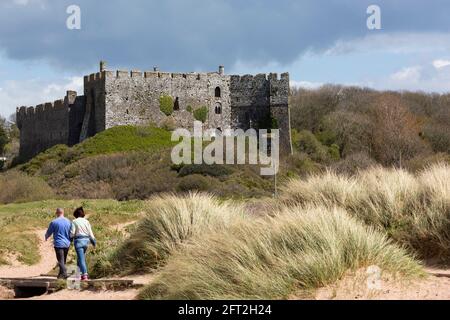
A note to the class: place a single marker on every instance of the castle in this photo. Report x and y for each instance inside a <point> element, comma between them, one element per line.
<point>114,98</point>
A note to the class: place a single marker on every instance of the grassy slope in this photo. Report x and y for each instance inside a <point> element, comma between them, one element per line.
<point>131,162</point>
<point>114,140</point>
<point>18,219</point>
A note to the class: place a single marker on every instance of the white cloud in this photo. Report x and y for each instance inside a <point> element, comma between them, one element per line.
<point>32,92</point>
<point>438,64</point>
<point>396,42</point>
<point>305,84</point>
<point>425,77</point>
<point>410,74</point>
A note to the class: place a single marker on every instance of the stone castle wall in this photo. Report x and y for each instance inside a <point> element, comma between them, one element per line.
<point>122,98</point>
<point>257,99</point>
<point>42,127</point>
<point>114,98</point>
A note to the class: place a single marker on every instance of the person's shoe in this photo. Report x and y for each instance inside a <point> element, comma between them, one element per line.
<point>84,277</point>
<point>63,277</point>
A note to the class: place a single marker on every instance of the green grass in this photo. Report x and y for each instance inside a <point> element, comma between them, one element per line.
<point>18,220</point>
<point>115,140</point>
<point>127,138</point>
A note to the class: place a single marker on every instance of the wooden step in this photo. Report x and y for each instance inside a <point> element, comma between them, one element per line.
<point>52,284</point>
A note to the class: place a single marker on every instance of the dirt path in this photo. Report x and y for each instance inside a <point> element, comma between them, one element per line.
<point>45,264</point>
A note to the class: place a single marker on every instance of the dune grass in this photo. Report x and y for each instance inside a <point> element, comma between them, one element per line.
<point>412,209</point>
<point>274,257</point>
<point>169,221</point>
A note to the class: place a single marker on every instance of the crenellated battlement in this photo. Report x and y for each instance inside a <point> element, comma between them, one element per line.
<point>261,77</point>
<point>43,108</point>
<point>124,74</point>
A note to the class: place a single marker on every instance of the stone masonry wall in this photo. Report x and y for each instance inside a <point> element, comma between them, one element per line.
<point>254,99</point>
<point>42,127</point>
<point>279,109</point>
<point>124,98</point>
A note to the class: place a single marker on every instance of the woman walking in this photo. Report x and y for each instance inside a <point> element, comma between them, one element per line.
<point>82,235</point>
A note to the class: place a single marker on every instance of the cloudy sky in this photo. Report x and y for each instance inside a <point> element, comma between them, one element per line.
<point>317,41</point>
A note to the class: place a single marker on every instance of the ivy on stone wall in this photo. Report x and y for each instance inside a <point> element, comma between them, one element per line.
<point>166,104</point>
<point>201,114</point>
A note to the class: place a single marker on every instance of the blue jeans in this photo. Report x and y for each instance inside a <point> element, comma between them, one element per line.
<point>81,245</point>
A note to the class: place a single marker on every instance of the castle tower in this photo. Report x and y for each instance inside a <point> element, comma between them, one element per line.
<point>102,66</point>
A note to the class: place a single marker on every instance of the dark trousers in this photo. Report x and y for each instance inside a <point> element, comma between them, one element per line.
<point>61,256</point>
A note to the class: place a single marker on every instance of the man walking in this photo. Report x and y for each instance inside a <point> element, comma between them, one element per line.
<point>60,229</point>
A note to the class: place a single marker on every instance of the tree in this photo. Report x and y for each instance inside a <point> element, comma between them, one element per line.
<point>396,131</point>
<point>4,139</point>
<point>351,131</point>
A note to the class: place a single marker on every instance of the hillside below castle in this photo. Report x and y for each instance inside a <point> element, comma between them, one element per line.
<point>114,98</point>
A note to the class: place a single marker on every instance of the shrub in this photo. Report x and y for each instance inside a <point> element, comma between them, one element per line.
<point>193,183</point>
<point>189,109</point>
<point>169,222</point>
<point>273,257</point>
<point>213,170</point>
<point>18,187</point>
<point>302,164</point>
<point>354,163</point>
<point>201,114</point>
<point>166,104</point>
<point>169,124</point>
<point>305,141</point>
<point>439,136</point>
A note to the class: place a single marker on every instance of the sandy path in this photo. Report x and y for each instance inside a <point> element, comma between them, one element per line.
<point>355,287</point>
<point>123,226</point>
<point>89,295</point>
<point>45,264</point>
<point>130,294</point>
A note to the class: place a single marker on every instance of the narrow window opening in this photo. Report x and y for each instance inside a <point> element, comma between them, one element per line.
<point>217,92</point>
<point>176,104</point>
<point>218,109</point>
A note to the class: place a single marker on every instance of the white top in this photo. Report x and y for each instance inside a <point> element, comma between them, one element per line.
<point>81,227</point>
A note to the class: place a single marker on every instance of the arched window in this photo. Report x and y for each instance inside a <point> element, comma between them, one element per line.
<point>217,93</point>
<point>176,105</point>
<point>218,108</point>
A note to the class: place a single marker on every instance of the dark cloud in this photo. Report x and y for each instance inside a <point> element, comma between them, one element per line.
<point>198,34</point>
